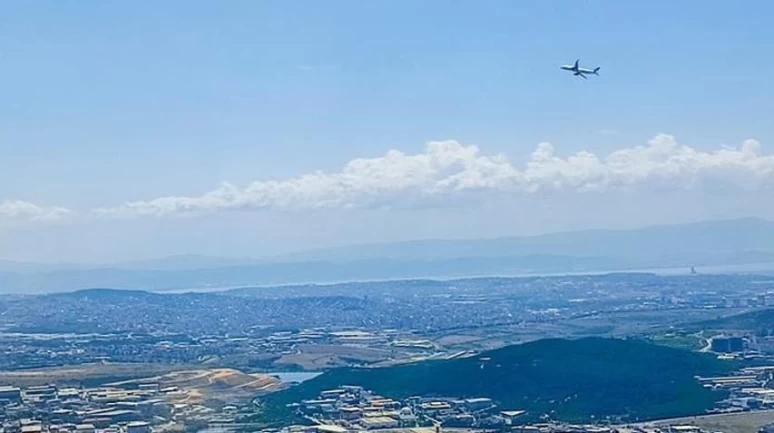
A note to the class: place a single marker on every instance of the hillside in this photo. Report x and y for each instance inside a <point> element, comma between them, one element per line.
<point>223,385</point>
<point>573,380</point>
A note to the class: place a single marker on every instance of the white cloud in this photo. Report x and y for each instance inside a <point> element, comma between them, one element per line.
<point>16,210</point>
<point>448,171</point>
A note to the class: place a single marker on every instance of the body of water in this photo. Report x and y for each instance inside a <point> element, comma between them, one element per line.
<point>295,376</point>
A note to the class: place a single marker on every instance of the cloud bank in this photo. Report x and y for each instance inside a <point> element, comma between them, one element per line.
<point>448,170</point>
<point>17,210</point>
<point>451,172</point>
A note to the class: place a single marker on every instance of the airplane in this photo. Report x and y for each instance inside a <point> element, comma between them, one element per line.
<point>580,72</point>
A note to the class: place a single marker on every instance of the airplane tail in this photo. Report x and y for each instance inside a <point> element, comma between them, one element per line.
<point>596,70</point>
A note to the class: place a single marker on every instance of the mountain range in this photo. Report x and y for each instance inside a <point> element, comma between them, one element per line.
<point>712,243</point>
<point>647,244</point>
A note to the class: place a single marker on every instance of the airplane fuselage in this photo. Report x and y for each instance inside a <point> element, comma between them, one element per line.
<point>578,71</point>
<point>574,69</point>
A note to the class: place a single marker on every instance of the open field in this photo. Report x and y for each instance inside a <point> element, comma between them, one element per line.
<point>85,374</point>
<point>322,356</point>
<point>195,385</point>
<point>201,386</point>
<point>744,422</point>
<point>607,324</point>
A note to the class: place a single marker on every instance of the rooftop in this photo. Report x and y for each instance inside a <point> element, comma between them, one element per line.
<point>331,428</point>
<point>513,413</point>
<point>377,420</point>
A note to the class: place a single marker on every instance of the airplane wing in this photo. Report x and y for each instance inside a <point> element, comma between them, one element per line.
<point>582,76</point>
<point>576,64</point>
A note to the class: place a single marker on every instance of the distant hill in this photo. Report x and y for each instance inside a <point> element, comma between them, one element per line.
<point>746,236</point>
<point>294,273</point>
<point>760,321</point>
<point>108,295</point>
<point>732,242</point>
<point>573,380</point>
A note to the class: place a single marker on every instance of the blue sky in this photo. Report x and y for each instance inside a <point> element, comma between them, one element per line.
<point>108,103</point>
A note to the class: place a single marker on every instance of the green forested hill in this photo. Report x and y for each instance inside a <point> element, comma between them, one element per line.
<point>573,380</point>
